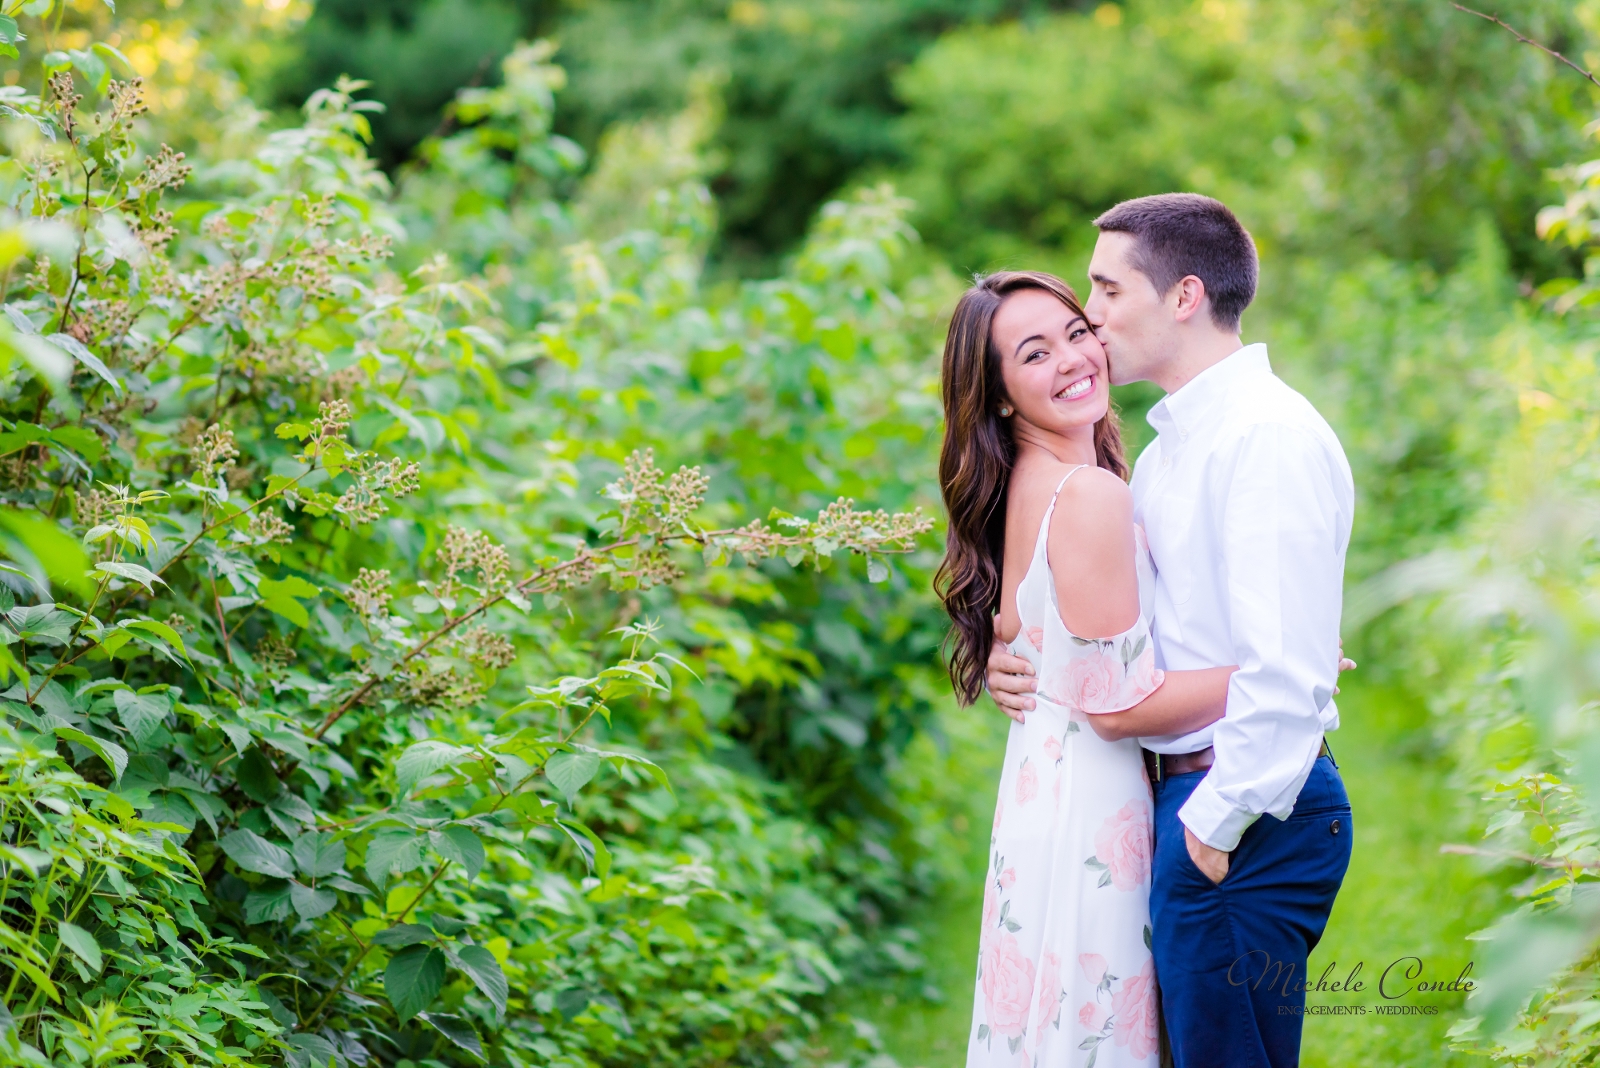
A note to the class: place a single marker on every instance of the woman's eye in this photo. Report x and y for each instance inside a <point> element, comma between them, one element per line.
<point>1076,334</point>
<point>1038,355</point>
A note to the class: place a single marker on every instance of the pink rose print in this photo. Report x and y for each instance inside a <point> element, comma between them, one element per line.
<point>1008,878</point>
<point>1007,987</point>
<point>1052,747</point>
<point>1027,783</point>
<point>1122,844</point>
<point>1049,994</point>
<point>1094,967</point>
<point>999,812</point>
<point>991,913</point>
<point>1135,1009</point>
<point>1036,638</point>
<point>1144,674</point>
<point>1089,681</point>
<point>1092,1015</point>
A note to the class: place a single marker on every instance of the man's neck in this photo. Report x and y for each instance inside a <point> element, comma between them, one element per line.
<point>1199,352</point>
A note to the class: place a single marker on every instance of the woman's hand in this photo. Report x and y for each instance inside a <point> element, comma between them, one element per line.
<point>1011,682</point>
<point>1345,664</point>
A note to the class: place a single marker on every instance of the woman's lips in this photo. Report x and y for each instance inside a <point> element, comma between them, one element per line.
<point>1082,387</point>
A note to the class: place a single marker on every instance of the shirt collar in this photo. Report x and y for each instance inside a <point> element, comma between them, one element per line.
<point>1179,413</point>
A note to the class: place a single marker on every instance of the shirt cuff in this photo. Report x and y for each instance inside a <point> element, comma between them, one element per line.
<point>1213,820</point>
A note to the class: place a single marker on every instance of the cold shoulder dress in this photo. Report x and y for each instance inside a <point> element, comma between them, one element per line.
<point>1064,969</point>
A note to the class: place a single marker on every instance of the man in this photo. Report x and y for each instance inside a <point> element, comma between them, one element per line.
<point>1246,499</point>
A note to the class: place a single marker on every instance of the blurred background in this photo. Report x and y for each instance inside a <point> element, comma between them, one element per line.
<point>1416,181</point>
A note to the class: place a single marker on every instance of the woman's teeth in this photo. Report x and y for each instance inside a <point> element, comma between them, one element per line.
<point>1077,389</point>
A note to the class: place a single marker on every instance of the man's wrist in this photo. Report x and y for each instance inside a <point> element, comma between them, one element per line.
<point>1212,820</point>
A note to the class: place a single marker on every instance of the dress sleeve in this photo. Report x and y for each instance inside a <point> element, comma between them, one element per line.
<point>1102,674</point>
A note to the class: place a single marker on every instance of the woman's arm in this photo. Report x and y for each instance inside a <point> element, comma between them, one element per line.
<point>1185,701</point>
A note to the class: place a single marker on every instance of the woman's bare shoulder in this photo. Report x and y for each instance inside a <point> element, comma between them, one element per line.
<point>1095,493</point>
<point>1034,482</point>
<point>1094,514</point>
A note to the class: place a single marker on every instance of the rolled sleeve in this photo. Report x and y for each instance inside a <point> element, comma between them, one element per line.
<point>1284,528</point>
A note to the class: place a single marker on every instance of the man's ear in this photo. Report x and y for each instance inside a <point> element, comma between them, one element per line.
<point>1191,294</point>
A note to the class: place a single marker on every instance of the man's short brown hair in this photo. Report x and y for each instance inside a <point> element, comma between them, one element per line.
<point>1179,234</point>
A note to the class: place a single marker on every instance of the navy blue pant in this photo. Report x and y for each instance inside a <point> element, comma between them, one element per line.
<point>1231,956</point>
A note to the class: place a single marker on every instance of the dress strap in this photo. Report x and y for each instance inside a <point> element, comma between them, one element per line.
<point>1044,525</point>
<point>1063,481</point>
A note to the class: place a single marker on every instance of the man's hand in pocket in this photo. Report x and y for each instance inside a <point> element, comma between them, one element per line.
<point>1213,863</point>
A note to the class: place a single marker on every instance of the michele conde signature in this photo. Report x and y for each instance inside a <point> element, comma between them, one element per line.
<point>1401,976</point>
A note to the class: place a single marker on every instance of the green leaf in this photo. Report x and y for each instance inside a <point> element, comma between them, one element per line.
<point>82,944</point>
<point>877,569</point>
<point>256,776</point>
<point>315,1051</point>
<point>9,33</point>
<point>405,934</point>
<point>594,851</point>
<point>460,845</point>
<point>114,755</point>
<point>269,904</point>
<point>278,596</point>
<point>570,772</point>
<point>141,713</point>
<point>160,630</point>
<point>254,853</point>
<point>318,853</point>
<point>80,352</point>
<point>425,758</point>
<point>85,443</point>
<point>457,1029</point>
<point>297,431</point>
<point>311,903</point>
<point>55,553</point>
<point>413,979</point>
<point>484,969</point>
<point>395,852</point>
<point>142,575</point>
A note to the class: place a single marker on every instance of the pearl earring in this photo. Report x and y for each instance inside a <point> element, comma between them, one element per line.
<point>1005,411</point>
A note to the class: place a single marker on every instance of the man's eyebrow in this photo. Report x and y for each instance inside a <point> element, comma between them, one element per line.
<point>1105,280</point>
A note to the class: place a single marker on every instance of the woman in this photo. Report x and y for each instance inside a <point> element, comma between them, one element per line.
<point>1043,553</point>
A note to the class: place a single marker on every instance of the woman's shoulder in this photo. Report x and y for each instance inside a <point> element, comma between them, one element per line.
<point>1094,512</point>
<point>1094,489</point>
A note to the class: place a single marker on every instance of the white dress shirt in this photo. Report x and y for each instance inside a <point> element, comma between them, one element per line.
<point>1246,500</point>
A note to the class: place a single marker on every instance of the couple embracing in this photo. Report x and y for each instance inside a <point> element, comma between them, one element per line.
<point>1171,829</point>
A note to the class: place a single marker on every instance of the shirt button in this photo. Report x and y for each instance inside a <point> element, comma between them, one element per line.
<point>1334,827</point>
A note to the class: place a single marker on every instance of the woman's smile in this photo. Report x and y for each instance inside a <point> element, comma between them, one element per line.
<point>1081,388</point>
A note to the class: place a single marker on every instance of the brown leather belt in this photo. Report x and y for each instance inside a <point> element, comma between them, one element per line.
<point>1161,765</point>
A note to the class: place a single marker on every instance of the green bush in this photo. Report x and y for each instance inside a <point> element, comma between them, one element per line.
<point>289,533</point>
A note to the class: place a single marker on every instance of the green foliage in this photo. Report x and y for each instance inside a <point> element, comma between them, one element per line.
<point>291,533</point>
<point>413,56</point>
<point>1503,620</point>
<point>1319,123</point>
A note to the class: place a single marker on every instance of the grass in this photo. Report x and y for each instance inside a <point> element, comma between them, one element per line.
<point>1401,898</point>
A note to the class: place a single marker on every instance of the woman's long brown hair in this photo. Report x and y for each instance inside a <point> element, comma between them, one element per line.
<point>975,469</point>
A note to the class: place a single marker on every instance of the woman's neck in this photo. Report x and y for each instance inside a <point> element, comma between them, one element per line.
<point>1075,446</point>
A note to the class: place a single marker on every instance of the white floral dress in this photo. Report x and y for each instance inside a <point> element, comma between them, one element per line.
<point>1064,969</point>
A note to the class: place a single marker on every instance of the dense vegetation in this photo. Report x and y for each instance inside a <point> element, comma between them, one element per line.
<point>394,673</point>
